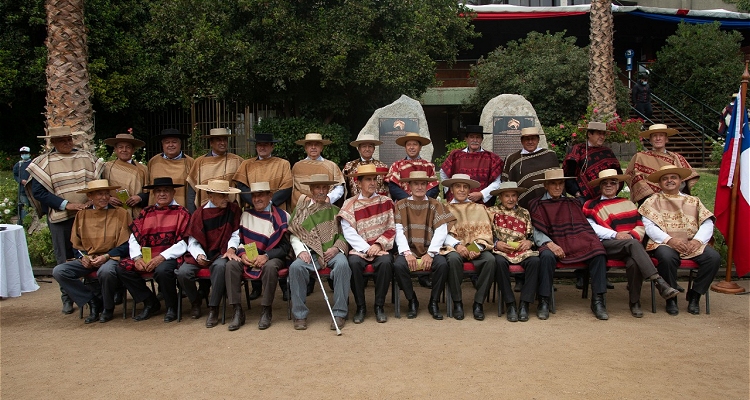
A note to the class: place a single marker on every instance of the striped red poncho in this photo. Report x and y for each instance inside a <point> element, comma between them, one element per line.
<point>212,228</point>
<point>372,218</point>
<point>618,214</point>
<point>159,228</point>
<point>482,166</point>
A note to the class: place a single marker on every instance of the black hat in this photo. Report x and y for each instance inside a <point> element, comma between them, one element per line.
<point>163,181</point>
<point>475,129</point>
<point>263,138</point>
<point>171,132</point>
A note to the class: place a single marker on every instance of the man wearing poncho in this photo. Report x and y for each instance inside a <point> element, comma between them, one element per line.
<point>313,224</point>
<point>400,170</point>
<point>365,145</point>
<point>586,160</point>
<point>172,162</point>
<point>315,164</point>
<point>217,164</point>
<point>471,228</point>
<point>126,172</point>
<point>529,164</point>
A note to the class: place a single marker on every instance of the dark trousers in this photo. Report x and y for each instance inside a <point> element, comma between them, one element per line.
<point>383,266</point>
<point>708,265</point>
<point>531,270</point>
<point>135,284</point>
<point>269,278</point>
<point>186,278</point>
<point>166,278</point>
<point>485,267</point>
<point>638,264</point>
<point>438,273</point>
<point>69,275</point>
<point>547,265</point>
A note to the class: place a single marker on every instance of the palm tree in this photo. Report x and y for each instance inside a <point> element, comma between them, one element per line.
<point>601,61</point>
<point>68,91</point>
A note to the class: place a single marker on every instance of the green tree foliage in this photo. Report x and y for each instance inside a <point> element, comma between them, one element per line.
<point>22,53</point>
<point>704,61</point>
<point>289,130</point>
<point>742,5</point>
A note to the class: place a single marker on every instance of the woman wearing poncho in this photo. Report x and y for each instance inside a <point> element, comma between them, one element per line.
<point>586,160</point>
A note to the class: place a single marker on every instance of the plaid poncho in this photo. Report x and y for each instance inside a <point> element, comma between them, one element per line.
<point>585,162</point>
<point>402,168</point>
<point>482,166</point>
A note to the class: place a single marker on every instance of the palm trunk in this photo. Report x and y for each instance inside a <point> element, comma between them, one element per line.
<point>601,60</point>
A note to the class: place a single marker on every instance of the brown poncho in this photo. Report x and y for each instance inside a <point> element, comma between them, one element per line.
<point>420,218</point>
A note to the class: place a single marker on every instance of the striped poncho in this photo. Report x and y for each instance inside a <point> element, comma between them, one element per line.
<point>268,230</point>
<point>419,219</point>
<point>212,228</point>
<point>482,166</point>
<point>372,218</point>
<point>617,214</point>
<point>585,162</point>
<point>402,168</point>
<point>159,228</point>
<point>316,226</point>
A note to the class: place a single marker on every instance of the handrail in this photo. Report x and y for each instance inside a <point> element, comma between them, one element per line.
<point>681,91</point>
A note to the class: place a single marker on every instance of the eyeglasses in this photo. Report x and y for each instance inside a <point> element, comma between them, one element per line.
<point>610,183</point>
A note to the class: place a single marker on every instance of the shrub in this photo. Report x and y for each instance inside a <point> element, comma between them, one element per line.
<point>40,246</point>
<point>7,161</point>
<point>8,198</point>
<point>453,145</point>
<point>289,130</point>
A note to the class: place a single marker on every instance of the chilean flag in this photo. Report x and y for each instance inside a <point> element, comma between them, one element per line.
<point>737,141</point>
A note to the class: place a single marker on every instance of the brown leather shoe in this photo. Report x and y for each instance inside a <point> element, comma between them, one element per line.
<point>339,321</point>
<point>238,319</point>
<point>265,318</point>
<point>300,324</point>
<point>213,317</point>
<point>195,311</point>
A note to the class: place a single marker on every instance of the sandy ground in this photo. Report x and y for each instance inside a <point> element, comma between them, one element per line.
<point>46,355</point>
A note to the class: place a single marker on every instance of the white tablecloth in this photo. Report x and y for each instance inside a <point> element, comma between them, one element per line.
<point>16,276</point>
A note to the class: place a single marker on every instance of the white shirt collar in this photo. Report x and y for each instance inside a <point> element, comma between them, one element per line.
<point>523,151</point>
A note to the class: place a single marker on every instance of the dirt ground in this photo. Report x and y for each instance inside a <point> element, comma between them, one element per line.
<point>46,355</point>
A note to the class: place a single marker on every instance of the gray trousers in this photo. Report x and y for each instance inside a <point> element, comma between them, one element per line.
<point>69,275</point>
<point>61,245</point>
<point>485,266</point>
<point>638,264</point>
<point>299,276</point>
<point>186,278</point>
<point>269,276</point>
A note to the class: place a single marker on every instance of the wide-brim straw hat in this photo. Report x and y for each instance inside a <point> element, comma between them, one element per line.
<point>124,137</point>
<point>461,178</point>
<point>164,181</point>
<point>256,187</point>
<point>59,131</point>
<point>319,179</point>
<point>597,126</point>
<point>218,132</point>
<point>263,138</point>
<point>412,136</point>
<point>218,186</point>
<point>368,170</point>
<point>669,169</point>
<point>96,185</point>
<point>531,131</point>
<point>554,174</point>
<point>655,128</point>
<point>313,137</point>
<point>475,129</point>
<point>366,138</point>
<point>509,186</point>
<point>419,176</point>
<point>607,174</point>
<point>171,132</point>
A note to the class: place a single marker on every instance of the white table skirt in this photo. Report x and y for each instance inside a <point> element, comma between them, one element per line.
<point>16,276</point>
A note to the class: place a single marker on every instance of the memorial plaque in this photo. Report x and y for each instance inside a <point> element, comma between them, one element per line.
<point>506,132</point>
<point>391,129</point>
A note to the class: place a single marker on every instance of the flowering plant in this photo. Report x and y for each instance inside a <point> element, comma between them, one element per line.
<point>8,196</point>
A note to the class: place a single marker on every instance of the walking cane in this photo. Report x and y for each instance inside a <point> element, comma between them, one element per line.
<point>322,289</point>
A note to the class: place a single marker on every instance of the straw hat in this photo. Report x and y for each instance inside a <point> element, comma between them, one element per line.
<point>95,185</point>
<point>554,174</point>
<point>475,129</point>
<point>368,170</point>
<point>365,138</point>
<point>171,132</point>
<point>508,187</point>
<point>260,187</point>
<point>461,178</point>
<point>419,176</point>
<point>263,138</point>
<point>313,137</point>
<point>607,174</point>
<point>218,132</point>
<point>533,131</point>
<point>597,126</point>
<point>669,169</point>
<point>319,179</point>
<point>218,186</point>
<point>124,137</point>
<point>58,131</point>
<point>164,181</point>
<point>657,128</point>
<point>412,136</point>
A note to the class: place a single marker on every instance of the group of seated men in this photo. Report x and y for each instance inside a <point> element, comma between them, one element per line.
<point>224,244</point>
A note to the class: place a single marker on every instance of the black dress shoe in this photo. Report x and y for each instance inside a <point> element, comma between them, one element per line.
<point>413,308</point>
<point>380,314</point>
<point>598,307</point>
<point>171,314</point>
<point>478,311</point>
<point>107,315</point>
<point>67,307</point>
<point>518,286</point>
<point>118,297</point>
<point>610,285</point>
<point>542,310</point>
<point>458,310</point>
<point>635,309</point>
<point>254,294</point>
<point>672,306</point>
<point>425,281</point>
<point>680,288</point>
<point>95,305</point>
<point>523,311</point>
<point>511,313</point>
<point>694,303</point>
<point>359,316</point>
<point>579,283</point>
<point>434,310</point>
<point>151,307</point>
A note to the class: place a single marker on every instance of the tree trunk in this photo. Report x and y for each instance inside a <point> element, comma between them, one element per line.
<point>68,92</point>
<point>601,60</point>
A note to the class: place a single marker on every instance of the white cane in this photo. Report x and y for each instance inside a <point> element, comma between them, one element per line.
<point>322,289</point>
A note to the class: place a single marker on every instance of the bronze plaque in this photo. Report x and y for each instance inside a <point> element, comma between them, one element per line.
<point>391,129</point>
<point>506,132</point>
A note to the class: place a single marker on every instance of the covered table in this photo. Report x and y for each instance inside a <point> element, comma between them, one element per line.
<point>16,276</point>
